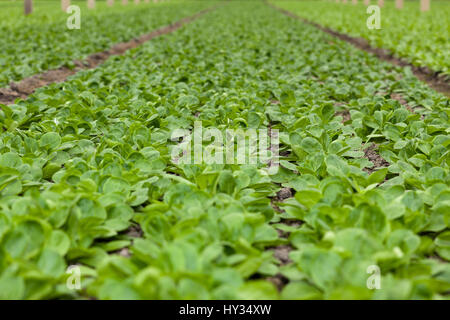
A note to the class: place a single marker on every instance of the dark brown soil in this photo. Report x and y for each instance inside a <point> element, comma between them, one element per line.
<point>345,114</point>
<point>281,252</point>
<point>282,194</point>
<point>288,222</point>
<point>285,153</point>
<point>134,231</point>
<point>124,252</point>
<point>434,79</point>
<point>8,94</point>
<point>27,86</point>
<point>279,281</point>
<point>402,101</point>
<point>372,155</point>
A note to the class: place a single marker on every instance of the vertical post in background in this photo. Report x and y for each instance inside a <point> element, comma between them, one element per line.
<point>136,1</point>
<point>110,3</point>
<point>146,1</point>
<point>64,5</point>
<point>124,2</point>
<point>366,2</point>
<point>424,5</point>
<point>355,1</point>
<point>381,3</point>
<point>344,1</point>
<point>28,6</point>
<point>91,4</point>
<point>399,4</point>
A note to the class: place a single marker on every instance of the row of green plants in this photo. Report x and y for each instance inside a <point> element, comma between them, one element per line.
<point>87,178</point>
<point>42,41</point>
<point>421,38</point>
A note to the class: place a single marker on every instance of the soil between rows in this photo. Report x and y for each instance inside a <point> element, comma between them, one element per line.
<point>433,79</point>
<point>27,86</point>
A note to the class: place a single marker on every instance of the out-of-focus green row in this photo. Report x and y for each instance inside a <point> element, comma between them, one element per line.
<point>42,40</point>
<point>423,38</point>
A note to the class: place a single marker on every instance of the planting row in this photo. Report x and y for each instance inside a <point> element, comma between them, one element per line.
<point>43,41</point>
<point>421,38</point>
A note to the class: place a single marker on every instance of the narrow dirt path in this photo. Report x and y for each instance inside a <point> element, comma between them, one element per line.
<point>422,73</point>
<point>27,86</point>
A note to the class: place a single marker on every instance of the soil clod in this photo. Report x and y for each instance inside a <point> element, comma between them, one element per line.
<point>372,155</point>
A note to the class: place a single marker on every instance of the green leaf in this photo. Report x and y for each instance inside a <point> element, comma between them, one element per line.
<point>308,197</point>
<point>50,140</point>
<point>258,290</point>
<point>300,291</point>
<point>377,176</point>
<point>12,288</point>
<point>51,263</point>
<point>321,265</point>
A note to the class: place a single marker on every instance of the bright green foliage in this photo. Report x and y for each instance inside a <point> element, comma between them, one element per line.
<point>42,41</point>
<point>422,38</point>
<point>83,161</point>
